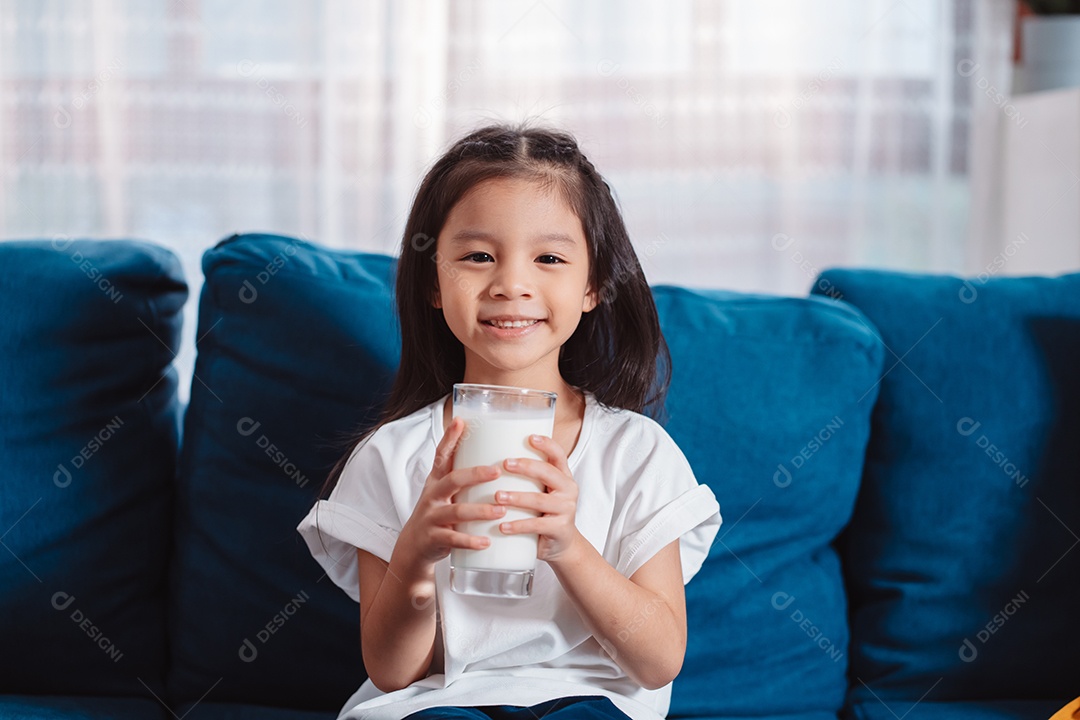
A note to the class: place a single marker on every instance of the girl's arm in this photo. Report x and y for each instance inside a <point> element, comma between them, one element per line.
<point>397,600</point>
<point>397,620</point>
<point>640,621</point>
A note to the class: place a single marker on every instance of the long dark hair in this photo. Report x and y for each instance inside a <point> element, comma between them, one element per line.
<point>615,350</point>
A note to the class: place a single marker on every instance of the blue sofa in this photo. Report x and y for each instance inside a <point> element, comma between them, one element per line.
<point>896,458</point>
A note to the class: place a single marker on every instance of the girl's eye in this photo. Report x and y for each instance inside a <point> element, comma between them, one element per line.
<point>553,257</point>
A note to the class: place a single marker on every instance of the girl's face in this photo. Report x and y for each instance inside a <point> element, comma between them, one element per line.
<point>513,248</point>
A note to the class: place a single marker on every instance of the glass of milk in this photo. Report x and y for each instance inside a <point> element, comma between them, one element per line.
<point>498,422</point>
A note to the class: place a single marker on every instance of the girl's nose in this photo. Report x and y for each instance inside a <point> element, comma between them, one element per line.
<point>511,280</point>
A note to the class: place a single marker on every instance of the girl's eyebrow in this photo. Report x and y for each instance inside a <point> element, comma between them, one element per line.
<point>464,236</point>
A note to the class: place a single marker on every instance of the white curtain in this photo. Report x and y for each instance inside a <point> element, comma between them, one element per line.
<point>751,143</point>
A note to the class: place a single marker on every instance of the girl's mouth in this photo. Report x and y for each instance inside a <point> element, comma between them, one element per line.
<point>510,332</point>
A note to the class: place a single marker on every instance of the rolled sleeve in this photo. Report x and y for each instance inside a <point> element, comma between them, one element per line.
<point>664,502</point>
<point>359,514</point>
<point>333,532</point>
<point>693,519</point>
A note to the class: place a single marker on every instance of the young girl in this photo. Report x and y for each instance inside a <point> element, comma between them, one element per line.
<point>514,223</point>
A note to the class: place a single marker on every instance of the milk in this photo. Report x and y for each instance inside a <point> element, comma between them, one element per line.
<point>489,438</point>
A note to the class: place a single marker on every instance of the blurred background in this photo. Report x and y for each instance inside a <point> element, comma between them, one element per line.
<point>750,143</point>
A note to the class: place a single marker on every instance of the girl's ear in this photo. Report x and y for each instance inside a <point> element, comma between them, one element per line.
<point>591,300</point>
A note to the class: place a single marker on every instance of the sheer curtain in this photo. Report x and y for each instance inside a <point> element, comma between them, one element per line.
<point>751,143</point>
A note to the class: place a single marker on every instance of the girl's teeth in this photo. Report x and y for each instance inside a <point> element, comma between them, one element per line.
<point>516,324</point>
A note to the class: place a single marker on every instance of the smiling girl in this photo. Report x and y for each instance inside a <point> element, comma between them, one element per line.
<point>532,282</point>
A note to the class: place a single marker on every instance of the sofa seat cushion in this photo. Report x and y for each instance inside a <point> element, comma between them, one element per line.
<point>783,716</point>
<point>986,710</point>
<point>296,346</point>
<point>231,711</point>
<point>73,707</point>
<point>770,402</point>
<point>88,437</point>
<point>961,558</point>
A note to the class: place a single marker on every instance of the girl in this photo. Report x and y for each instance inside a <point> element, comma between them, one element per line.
<point>514,223</point>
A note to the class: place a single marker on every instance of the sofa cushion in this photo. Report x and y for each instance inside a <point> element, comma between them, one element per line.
<point>819,715</point>
<point>68,707</point>
<point>232,711</point>
<point>296,346</point>
<point>987,710</point>
<point>770,401</point>
<point>88,435</point>
<point>961,561</point>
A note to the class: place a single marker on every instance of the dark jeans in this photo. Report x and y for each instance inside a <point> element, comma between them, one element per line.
<point>583,707</point>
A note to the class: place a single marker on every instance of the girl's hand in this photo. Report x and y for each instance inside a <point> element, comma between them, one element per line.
<point>557,506</point>
<point>429,534</point>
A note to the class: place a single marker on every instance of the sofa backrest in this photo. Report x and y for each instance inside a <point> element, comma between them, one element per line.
<point>88,436</point>
<point>770,401</point>
<point>295,349</point>
<point>961,559</point>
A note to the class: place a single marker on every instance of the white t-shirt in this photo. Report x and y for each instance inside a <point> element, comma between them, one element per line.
<point>636,494</point>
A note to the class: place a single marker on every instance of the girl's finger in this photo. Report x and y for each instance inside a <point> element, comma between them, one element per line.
<point>519,527</point>
<point>463,512</point>
<point>457,539</point>
<point>553,451</point>
<point>545,472</point>
<point>540,502</point>
<point>444,453</point>
<point>455,481</point>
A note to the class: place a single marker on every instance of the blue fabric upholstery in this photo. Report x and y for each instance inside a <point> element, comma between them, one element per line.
<point>961,568</point>
<point>787,716</point>
<point>229,711</point>
<point>67,707</point>
<point>296,344</point>
<point>989,710</point>
<point>88,436</point>
<point>960,560</point>
<point>770,401</point>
